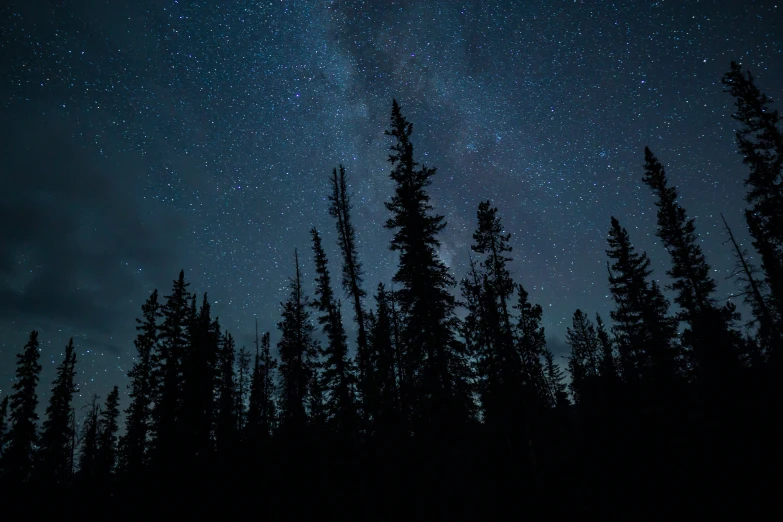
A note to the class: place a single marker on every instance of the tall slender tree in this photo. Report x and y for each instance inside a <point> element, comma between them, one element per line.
<point>584,360</point>
<point>243,387</point>
<point>710,335</point>
<point>760,141</point>
<point>22,437</point>
<point>430,324</point>
<point>297,349</point>
<point>54,451</point>
<point>269,387</point>
<point>108,425</point>
<point>383,363</point>
<point>340,209</point>
<point>135,442</point>
<point>3,425</point>
<point>339,375</point>
<point>88,457</point>
<point>226,419</point>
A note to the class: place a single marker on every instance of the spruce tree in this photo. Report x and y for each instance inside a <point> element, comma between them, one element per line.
<point>607,367</point>
<point>134,444</point>
<point>555,380</point>
<point>339,377</point>
<point>226,421</point>
<point>531,347</point>
<point>383,362</point>
<point>167,372</point>
<point>710,336</point>
<point>54,452</point>
<point>3,426</point>
<point>433,354</point>
<point>243,387</point>
<point>269,388</point>
<point>108,425</point>
<point>583,364</point>
<point>760,141</point>
<point>644,331</point>
<point>297,349</point>
<point>22,437</point>
<point>88,457</point>
<point>340,209</point>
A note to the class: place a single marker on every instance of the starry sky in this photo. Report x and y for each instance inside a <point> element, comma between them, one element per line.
<point>142,137</point>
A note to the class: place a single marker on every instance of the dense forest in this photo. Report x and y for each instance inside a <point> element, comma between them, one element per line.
<point>671,409</point>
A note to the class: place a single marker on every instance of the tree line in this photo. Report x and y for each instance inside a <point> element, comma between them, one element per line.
<point>667,409</point>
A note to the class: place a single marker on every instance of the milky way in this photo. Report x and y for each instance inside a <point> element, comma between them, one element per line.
<point>141,139</point>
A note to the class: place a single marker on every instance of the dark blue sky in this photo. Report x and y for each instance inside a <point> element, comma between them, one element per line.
<point>143,138</point>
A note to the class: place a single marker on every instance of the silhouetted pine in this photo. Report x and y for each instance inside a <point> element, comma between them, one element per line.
<point>54,450</point>
<point>710,336</point>
<point>108,425</point>
<point>760,141</point>
<point>583,363</point>
<point>555,380</point>
<point>339,373</point>
<point>383,363</point>
<point>644,331</point>
<point>608,365</point>
<point>435,361</point>
<point>225,393</point>
<point>531,345</point>
<point>261,411</point>
<point>138,420</point>
<point>88,456</point>
<point>198,377</point>
<point>3,425</point>
<point>297,349</point>
<point>22,438</point>
<point>340,209</point>
<point>243,387</point>
<point>167,373</point>
<point>269,389</point>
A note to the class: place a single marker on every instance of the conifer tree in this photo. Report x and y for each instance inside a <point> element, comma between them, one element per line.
<point>243,387</point>
<point>54,452</point>
<point>383,362</point>
<point>3,426</point>
<point>269,389</point>
<point>760,141</point>
<point>583,362</point>
<point>340,209</point>
<point>607,367</point>
<point>430,324</point>
<point>134,444</point>
<point>225,427</point>
<point>22,437</point>
<point>108,425</point>
<point>339,377</point>
<point>558,394</point>
<point>643,328</point>
<point>297,349</point>
<point>531,346</point>
<point>710,336</point>
<point>167,371</point>
<point>88,457</point>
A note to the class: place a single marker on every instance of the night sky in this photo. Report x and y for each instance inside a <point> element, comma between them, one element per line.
<point>142,138</point>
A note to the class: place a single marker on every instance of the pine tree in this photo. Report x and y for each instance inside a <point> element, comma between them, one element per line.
<point>531,347</point>
<point>383,362</point>
<point>108,425</point>
<point>711,337</point>
<point>644,331</point>
<point>22,435</point>
<point>555,381</point>
<point>3,426</point>
<point>297,349</point>
<point>226,422</point>
<point>340,209</point>
<point>607,367</point>
<point>339,376</point>
<point>243,387</point>
<point>760,141</point>
<point>583,362</point>
<point>167,372</point>
<point>428,332</point>
<point>88,457</point>
<point>134,444</point>
<point>269,389</point>
<point>53,454</point>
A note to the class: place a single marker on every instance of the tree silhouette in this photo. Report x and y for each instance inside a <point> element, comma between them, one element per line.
<point>54,451</point>
<point>88,458</point>
<point>134,444</point>
<point>434,360</point>
<point>3,426</point>
<point>17,460</point>
<point>108,425</point>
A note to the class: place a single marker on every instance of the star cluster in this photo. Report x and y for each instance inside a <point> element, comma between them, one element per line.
<point>146,137</point>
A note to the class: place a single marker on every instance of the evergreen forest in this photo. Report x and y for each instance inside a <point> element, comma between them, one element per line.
<point>434,396</point>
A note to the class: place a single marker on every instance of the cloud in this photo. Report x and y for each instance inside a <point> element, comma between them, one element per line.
<point>79,240</point>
